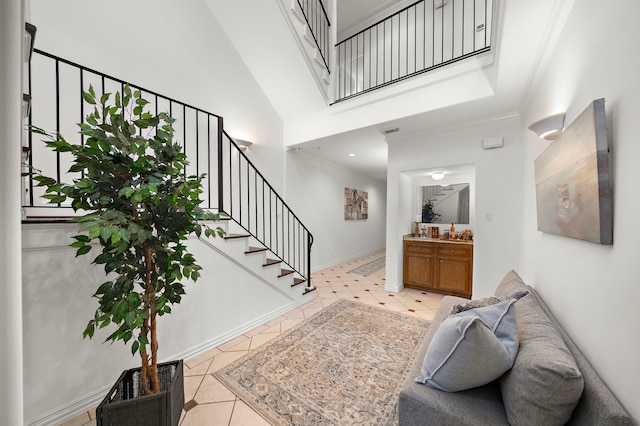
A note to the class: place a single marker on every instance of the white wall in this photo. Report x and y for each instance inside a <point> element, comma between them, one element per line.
<point>64,374</point>
<point>174,48</point>
<point>593,289</point>
<point>316,193</point>
<point>179,50</point>
<point>497,192</point>
<point>11,122</point>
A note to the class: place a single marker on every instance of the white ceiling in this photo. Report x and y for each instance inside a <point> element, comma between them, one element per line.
<point>525,34</point>
<point>355,15</point>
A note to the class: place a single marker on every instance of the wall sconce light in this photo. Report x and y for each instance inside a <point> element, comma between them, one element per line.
<point>243,144</point>
<point>549,128</point>
<point>437,176</point>
<point>26,105</point>
<point>29,40</point>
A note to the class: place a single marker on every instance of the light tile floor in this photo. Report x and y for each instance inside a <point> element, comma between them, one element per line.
<point>210,403</point>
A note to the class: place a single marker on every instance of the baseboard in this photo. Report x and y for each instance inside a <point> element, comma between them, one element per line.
<point>231,334</point>
<point>345,260</point>
<point>71,410</point>
<point>91,400</point>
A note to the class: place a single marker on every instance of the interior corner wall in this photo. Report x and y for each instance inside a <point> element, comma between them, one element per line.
<point>177,49</point>
<point>498,192</point>
<point>316,191</point>
<point>593,289</point>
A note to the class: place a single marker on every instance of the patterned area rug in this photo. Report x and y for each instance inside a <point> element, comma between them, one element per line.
<point>369,268</point>
<point>344,365</point>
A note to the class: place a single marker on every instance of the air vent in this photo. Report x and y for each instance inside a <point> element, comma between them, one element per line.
<point>389,131</point>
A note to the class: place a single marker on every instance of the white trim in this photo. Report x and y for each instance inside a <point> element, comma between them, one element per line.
<point>91,400</point>
<point>555,25</point>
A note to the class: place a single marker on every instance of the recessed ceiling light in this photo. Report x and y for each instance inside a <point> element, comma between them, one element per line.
<point>351,155</point>
<point>437,176</point>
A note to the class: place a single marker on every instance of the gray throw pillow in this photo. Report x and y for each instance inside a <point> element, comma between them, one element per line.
<point>477,303</point>
<point>545,384</point>
<point>471,348</point>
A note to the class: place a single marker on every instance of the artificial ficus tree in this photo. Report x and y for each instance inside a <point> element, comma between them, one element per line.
<point>139,206</point>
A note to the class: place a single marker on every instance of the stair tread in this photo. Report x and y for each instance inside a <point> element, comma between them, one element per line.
<point>298,281</point>
<point>309,290</point>
<point>285,272</point>
<point>235,236</point>
<point>272,262</point>
<point>255,250</point>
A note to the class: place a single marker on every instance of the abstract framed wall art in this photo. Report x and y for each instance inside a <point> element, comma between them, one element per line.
<point>356,204</point>
<point>573,189</point>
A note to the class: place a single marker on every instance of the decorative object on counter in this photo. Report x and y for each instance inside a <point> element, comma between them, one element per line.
<point>434,232</point>
<point>467,234</point>
<point>453,227</point>
<point>417,222</point>
<point>428,215</point>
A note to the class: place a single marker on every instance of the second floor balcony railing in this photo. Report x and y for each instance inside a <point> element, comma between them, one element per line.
<point>425,35</point>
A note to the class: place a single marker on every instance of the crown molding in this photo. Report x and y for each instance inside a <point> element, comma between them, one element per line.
<point>559,15</point>
<point>450,128</point>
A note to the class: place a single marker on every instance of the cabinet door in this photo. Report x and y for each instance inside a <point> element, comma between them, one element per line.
<point>418,270</point>
<point>453,274</point>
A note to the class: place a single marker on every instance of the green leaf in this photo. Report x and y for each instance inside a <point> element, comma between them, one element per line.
<point>105,233</point>
<point>115,237</point>
<point>83,250</point>
<point>130,318</point>
<point>104,98</point>
<point>94,232</point>
<point>89,330</point>
<point>82,238</point>
<point>134,347</point>
<point>104,288</point>
<point>88,97</point>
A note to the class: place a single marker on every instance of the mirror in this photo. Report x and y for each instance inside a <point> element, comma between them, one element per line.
<point>443,204</point>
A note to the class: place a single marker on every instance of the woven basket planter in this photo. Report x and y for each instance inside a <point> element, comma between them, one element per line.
<point>125,406</point>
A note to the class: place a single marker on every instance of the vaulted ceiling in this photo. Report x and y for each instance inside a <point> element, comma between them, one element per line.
<point>525,35</point>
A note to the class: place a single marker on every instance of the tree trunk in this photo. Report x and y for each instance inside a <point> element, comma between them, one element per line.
<point>149,372</point>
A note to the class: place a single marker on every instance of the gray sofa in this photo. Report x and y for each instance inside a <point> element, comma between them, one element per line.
<point>484,405</point>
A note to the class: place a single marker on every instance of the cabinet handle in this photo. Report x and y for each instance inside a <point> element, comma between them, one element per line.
<point>452,251</point>
<point>419,247</point>
<point>441,260</point>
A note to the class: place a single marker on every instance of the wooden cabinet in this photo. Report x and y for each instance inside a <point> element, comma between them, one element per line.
<point>438,266</point>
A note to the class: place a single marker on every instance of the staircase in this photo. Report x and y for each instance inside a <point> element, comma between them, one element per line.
<point>245,250</point>
<point>263,233</point>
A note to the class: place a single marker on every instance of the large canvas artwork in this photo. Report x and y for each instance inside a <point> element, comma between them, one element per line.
<point>573,192</point>
<point>356,204</point>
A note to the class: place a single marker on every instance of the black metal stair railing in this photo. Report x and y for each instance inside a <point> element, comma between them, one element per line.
<point>256,206</point>
<point>423,36</point>
<point>318,22</point>
<point>233,185</point>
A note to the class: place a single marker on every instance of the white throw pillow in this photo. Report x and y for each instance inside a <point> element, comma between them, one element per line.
<point>471,348</point>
